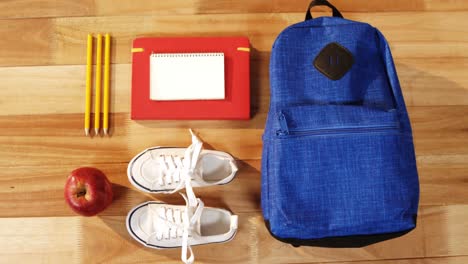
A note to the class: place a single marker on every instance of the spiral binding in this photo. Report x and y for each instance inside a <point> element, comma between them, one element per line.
<point>187,55</point>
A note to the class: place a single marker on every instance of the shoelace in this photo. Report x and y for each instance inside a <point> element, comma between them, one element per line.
<point>178,224</point>
<point>181,170</point>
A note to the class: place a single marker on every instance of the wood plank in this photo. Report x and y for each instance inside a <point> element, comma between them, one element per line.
<point>62,40</point>
<point>436,260</point>
<point>442,179</point>
<point>33,149</point>
<point>42,52</point>
<point>440,241</point>
<point>31,139</point>
<point>426,49</point>
<point>440,232</point>
<point>43,186</point>
<point>41,240</point>
<point>39,43</point>
<point>34,145</point>
<point>262,29</point>
<point>59,89</point>
<point>25,190</point>
<point>53,8</point>
<point>130,7</point>
<point>437,229</point>
<point>440,81</point>
<point>439,133</point>
<point>45,8</point>
<point>280,6</point>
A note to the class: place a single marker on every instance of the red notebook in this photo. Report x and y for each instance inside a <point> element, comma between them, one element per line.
<point>236,102</point>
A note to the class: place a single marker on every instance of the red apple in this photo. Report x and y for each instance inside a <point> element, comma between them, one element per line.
<point>88,191</point>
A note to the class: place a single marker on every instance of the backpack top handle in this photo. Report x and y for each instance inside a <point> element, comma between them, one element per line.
<point>336,13</point>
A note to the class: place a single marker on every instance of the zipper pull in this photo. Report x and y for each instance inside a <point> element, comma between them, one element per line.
<point>283,124</point>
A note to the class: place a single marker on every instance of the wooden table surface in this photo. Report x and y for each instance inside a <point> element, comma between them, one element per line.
<point>42,80</point>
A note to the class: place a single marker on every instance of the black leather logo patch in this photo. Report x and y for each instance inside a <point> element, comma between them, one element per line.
<point>334,61</point>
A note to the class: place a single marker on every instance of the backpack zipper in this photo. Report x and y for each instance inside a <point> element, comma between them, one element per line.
<point>336,131</point>
<point>283,124</point>
<point>285,131</point>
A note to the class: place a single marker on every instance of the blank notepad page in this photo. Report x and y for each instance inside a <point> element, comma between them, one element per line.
<point>187,76</point>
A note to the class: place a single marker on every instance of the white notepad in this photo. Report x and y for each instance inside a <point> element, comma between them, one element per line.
<point>187,76</point>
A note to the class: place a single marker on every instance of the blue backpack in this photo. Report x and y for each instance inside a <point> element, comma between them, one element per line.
<point>338,162</point>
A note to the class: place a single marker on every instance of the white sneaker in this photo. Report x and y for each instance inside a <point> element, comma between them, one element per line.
<point>167,170</point>
<point>159,225</point>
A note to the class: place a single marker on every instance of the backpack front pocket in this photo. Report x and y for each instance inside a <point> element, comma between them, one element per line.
<point>334,119</point>
<point>338,171</point>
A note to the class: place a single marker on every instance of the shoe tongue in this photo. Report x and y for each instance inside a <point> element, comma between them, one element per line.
<point>198,172</point>
<point>197,225</point>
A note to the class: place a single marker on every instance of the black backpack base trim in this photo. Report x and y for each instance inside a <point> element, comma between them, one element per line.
<point>356,241</point>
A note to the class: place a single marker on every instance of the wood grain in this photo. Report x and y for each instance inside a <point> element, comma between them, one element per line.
<point>67,8</point>
<point>435,260</point>
<point>66,84</point>
<point>33,40</point>
<point>279,6</point>
<point>429,81</point>
<point>425,82</point>
<point>42,186</point>
<point>45,8</point>
<point>29,139</point>
<point>442,179</point>
<point>62,40</point>
<point>105,239</point>
<point>42,57</point>
<point>41,240</point>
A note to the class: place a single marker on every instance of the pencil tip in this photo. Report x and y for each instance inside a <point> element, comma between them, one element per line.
<point>105,131</point>
<point>86,131</point>
<point>97,131</point>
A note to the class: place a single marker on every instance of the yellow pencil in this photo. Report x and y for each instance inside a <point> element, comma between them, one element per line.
<point>97,103</point>
<point>105,124</point>
<point>89,61</point>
